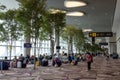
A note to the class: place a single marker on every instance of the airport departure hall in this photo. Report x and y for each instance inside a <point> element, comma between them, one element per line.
<point>59,40</point>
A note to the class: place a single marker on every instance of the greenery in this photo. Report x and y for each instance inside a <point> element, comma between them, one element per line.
<point>33,21</point>
<point>79,39</point>
<point>58,22</point>
<point>93,48</point>
<point>30,16</point>
<point>10,30</point>
<point>47,32</point>
<point>54,24</point>
<point>68,35</point>
<point>73,36</point>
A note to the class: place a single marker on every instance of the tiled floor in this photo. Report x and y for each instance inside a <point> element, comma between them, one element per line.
<point>101,70</point>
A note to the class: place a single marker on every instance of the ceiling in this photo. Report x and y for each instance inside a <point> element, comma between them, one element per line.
<point>98,16</point>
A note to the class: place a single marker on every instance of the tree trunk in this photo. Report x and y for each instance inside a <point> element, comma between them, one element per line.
<point>10,49</point>
<point>11,41</point>
<point>27,50</point>
<point>57,39</point>
<point>35,54</point>
<point>70,46</point>
<point>38,47</point>
<point>51,46</point>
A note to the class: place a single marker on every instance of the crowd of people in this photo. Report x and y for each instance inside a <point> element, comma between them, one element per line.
<point>57,59</point>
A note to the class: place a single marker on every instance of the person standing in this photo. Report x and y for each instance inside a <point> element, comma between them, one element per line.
<point>107,56</point>
<point>89,59</point>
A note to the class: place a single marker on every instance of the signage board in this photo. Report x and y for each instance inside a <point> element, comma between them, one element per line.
<point>27,45</point>
<point>100,34</point>
<point>103,43</point>
<point>58,47</point>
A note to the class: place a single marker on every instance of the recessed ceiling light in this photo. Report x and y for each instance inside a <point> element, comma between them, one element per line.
<point>70,4</point>
<point>75,14</point>
<point>87,30</point>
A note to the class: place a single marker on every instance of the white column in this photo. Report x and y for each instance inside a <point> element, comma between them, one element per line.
<point>112,44</point>
<point>116,26</point>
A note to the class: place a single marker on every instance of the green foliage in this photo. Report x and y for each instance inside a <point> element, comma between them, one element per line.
<point>10,29</point>
<point>58,20</point>
<point>30,16</point>
<point>35,6</point>
<point>24,20</point>
<point>68,33</point>
<point>79,39</point>
<point>87,47</point>
<point>95,48</point>
<point>3,33</point>
<point>52,22</point>
<point>74,35</point>
<point>92,47</point>
<point>46,29</point>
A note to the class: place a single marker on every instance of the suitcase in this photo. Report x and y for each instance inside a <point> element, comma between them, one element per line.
<point>19,64</point>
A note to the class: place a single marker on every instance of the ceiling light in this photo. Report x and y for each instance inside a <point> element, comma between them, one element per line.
<point>75,14</point>
<point>70,4</point>
<point>87,30</point>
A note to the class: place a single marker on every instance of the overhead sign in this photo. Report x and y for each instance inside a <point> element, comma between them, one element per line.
<point>103,43</point>
<point>100,34</point>
<point>27,45</point>
<point>58,47</point>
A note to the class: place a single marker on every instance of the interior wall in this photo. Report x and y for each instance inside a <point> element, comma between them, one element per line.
<point>118,40</point>
<point>116,25</point>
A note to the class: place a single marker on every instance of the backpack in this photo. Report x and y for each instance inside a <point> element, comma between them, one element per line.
<point>89,58</point>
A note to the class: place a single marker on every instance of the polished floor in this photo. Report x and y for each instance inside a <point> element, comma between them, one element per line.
<point>101,70</point>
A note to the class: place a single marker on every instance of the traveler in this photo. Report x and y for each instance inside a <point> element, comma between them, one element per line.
<point>89,59</point>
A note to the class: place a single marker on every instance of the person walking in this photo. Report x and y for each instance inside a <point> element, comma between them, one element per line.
<point>89,59</point>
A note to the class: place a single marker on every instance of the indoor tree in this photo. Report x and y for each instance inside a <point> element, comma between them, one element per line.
<point>10,30</point>
<point>58,18</point>
<point>30,15</point>
<point>54,23</point>
<point>87,47</point>
<point>47,31</point>
<point>68,35</point>
<point>79,39</point>
<point>73,36</point>
<point>95,48</point>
